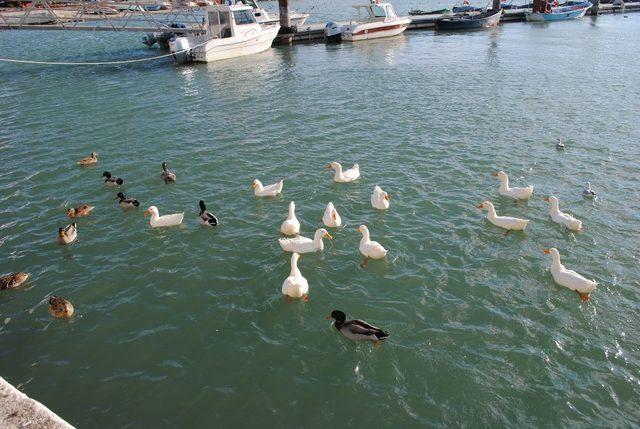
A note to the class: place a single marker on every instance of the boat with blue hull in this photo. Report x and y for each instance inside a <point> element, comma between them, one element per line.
<point>559,13</point>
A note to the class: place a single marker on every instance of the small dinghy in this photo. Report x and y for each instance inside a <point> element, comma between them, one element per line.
<point>486,19</point>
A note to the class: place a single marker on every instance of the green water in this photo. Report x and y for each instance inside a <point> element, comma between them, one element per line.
<point>186,327</point>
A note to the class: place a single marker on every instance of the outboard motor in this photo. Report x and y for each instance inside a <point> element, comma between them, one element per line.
<point>179,47</point>
<point>333,32</point>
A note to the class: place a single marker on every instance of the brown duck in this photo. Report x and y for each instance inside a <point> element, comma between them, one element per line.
<point>91,159</point>
<point>60,307</point>
<point>13,280</point>
<point>80,211</point>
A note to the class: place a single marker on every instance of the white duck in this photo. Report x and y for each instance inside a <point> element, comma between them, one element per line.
<point>68,234</point>
<point>331,218</point>
<point>304,244</point>
<point>295,286</point>
<point>562,218</point>
<point>380,199</point>
<point>589,192</point>
<point>507,191</point>
<point>368,248</point>
<point>291,225</point>
<point>340,176</point>
<point>569,278</point>
<point>506,222</point>
<point>266,191</point>
<point>161,221</point>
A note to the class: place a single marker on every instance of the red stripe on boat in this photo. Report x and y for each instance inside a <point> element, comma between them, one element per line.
<point>375,30</point>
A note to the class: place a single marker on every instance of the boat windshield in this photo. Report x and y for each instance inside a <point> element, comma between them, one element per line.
<point>390,12</point>
<point>243,17</point>
<point>378,12</point>
<point>248,3</point>
<point>219,24</point>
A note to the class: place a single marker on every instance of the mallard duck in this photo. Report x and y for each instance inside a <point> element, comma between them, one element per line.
<point>368,248</point>
<point>110,180</point>
<point>291,225</point>
<point>505,222</point>
<point>560,145</point>
<point>569,278</point>
<point>356,330</point>
<point>304,244</point>
<point>13,280</point>
<point>80,211</point>
<point>379,198</point>
<point>157,221</point>
<point>589,192</point>
<point>167,175</point>
<point>206,218</point>
<point>331,218</point>
<point>345,176</point>
<point>60,307</point>
<point>507,191</point>
<point>267,191</point>
<point>295,286</point>
<point>67,234</point>
<point>127,203</point>
<point>562,218</point>
<point>91,159</point>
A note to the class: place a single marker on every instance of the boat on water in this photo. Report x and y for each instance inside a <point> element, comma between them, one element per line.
<point>486,19</point>
<point>558,13</point>
<point>263,17</point>
<point>418,12</point>
<point>381,20</point>
<point>231,31</point>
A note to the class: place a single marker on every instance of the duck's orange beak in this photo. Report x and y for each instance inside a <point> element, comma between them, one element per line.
<point>585,297</point>
<point>480,206</point>
<point>327,235</point>
<point>493,173</point>
<point>328,167</point>
<point>253,185</point>
<point>546,199</point>
<point>146,213</point>
<point>328,317</point>
<point>546,251</point>
<point>387,197</point>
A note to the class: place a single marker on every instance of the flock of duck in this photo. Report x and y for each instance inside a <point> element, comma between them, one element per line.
<point>296,286</point>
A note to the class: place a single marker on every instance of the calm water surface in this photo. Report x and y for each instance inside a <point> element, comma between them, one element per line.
<point>187,327</point>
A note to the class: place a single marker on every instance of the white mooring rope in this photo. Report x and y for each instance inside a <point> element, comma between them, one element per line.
<point>98,63</point>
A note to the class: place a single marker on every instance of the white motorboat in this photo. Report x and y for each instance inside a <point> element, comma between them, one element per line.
<point>231,31</point>
<point>381,20</point>
<point>263,17</point>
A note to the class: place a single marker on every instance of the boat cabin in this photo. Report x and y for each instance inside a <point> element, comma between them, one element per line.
<point>376,11</point>
<point>228,21</point>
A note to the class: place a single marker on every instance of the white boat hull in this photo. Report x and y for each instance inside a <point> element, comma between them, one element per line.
<point>222,49</point>
<point>374,30</point>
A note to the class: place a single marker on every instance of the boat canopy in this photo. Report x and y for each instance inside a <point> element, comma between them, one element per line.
<point>377,10</point>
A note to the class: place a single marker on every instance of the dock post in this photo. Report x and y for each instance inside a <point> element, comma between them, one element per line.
<point>595,8</point>
<point>285,35</point>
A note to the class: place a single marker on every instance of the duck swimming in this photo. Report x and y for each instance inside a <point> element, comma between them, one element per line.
<point>380,199</point>
<point>507,191</point>
<point>60,307</point>
<point>110,180</point>
<point>13,280</point>
<point>303,244</point>
<point>331,218</point>
<point>127,203</point>
<point>505,222</point>
<point>557,216</point>
<point>67,234</point>
<point>368,248</point>
<point>295,286</point>
<point>266,191</point>
<point>206,218</point>
<point>589,192</point>
<point>91,159</point>
<point>560,145</point>
<point>345,176</point>
<point>291,225</point>
<point>569,278</point>
<point>357,330</point>
<point>158,221</point>
<point>167,175</point>
<point>80,211</point>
